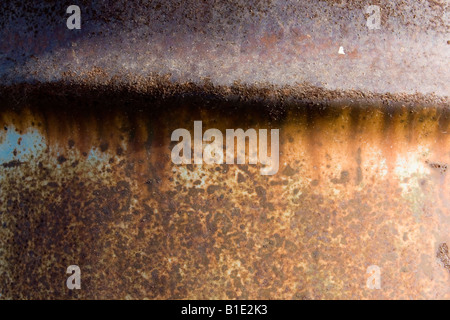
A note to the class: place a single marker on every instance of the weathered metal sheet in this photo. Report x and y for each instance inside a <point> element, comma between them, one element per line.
<point>87,179</point>
<point>281,42</point>
<point>86,175</point>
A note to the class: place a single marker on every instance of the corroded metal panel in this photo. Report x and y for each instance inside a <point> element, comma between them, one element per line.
<point>278,42</point>
<point>87,178</point>
<point>358,185</point>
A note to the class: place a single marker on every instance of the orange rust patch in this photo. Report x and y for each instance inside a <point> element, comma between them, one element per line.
<point>355,188</point>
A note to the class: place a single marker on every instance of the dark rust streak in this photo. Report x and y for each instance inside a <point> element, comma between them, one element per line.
<point>443,256</point>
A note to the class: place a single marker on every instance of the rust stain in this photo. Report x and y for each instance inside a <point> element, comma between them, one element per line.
<point>443,255</point>
<point>359,184</point>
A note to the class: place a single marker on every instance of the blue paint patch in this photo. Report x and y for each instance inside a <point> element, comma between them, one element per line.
<point>20,147</point>
<point>92,155</point>
<point>95,155</point>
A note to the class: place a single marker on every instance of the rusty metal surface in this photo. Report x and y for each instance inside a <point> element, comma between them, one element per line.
<point>281,42</point>
<point>86,176</point>
<point>89,181</point>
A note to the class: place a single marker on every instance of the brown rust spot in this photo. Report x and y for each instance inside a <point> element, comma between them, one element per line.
<point>443,256</point>
<point>435,165</point>
<point>11,164</point>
